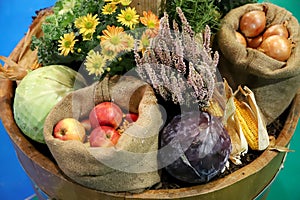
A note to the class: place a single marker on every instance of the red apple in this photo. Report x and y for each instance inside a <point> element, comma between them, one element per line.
<point>69,129</point>
<point>104,136</point>
<point>106,114</point>
<point>131,117</point>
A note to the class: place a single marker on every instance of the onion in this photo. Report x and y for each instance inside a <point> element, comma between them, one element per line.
<point>240,38</point>
<point>254,42</point>
<point>277,47</point>
<point>253,23</point>
<point>276,29</point>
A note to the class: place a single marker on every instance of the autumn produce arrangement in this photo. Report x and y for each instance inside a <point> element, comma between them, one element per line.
<point>130,100</point>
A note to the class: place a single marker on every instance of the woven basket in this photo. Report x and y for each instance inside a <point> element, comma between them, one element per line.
<point>244,184</point>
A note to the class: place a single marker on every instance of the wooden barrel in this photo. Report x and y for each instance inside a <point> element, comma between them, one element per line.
<point>243,184</point>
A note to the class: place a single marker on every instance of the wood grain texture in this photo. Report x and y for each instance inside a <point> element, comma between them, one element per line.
<point>145,5</point>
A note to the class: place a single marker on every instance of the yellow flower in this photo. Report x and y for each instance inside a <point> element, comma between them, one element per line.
<point>129,42</point>
<point>128,17</point>
<point>116,44</point>
<point>66,43</point>
<point>126,2</point>
<point>87,24</point>
<point>109,9</point>
<point>150,20</point>
<point>113,39</point>
<point>113,1</point>
<point>95,63</point>
<point>87,37</point>
<point>108,54</point>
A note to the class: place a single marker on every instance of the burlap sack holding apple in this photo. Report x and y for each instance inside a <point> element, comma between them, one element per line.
<point>129,166</point>
<point>273,82</point>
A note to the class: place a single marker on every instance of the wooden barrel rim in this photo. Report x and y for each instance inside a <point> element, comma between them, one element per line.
<point>27,148</point>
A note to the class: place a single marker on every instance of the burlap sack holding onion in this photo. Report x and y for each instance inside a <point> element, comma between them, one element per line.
<point>273,82</point>
<point>130,165</point>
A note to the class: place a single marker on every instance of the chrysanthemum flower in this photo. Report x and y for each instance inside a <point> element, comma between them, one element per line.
<point>66,43</point>
<point>87,37</point>
<point>126,2</point>
<point>129,40</point>
<point>128,17</point>
<point>151,32</point>
<point>108,54</point>
<point>95,63</point>
<point>110,32</point>
<point>87,24</point>
<point>144,42</point>
<point>109,9</point>
<point>113,39</point>
<point>150,20</point>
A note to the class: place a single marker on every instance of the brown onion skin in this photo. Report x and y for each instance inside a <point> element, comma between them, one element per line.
<point>276,29</point>
<point>254,42</point>
<point>277,47</point>
<point>241,39</point>
<point>253,23</point>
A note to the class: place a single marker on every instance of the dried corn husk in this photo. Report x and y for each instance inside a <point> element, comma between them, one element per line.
<point>244,123</point>
<point>13,71</point>
<point>238,140</point>
<point>216,105</point>
<point>274,147</point>
<point>17,67</point>
<point>254,127</point>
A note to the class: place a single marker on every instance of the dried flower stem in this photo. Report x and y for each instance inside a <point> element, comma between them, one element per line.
<point>177,65</point>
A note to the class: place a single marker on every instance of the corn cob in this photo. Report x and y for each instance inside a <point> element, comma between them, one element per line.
<point>233,127</point>
<point>238,140</point>
<point>248,123</point>
<point>244,122</point>
<point>263,136</point>
<point>215,108</point>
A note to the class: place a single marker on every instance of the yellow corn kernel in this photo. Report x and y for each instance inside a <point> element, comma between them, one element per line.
<point>248,123</point>
<point>215,108</point>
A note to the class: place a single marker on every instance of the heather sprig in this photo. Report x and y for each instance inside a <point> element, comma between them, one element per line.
<point>177,65</point>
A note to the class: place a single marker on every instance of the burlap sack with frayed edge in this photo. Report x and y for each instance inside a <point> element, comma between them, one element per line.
<point>274,83</point>
<point>129,166</point>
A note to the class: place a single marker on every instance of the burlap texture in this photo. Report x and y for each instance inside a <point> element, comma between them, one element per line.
<point>274,83</point>
<point>129,166</point>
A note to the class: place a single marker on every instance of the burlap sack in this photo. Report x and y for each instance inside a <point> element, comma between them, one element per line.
<point>129,166</point>
<point>274,83</point>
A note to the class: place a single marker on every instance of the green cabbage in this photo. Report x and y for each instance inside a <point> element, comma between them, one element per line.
<point>38,93</point>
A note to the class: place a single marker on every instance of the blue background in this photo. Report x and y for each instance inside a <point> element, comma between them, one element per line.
<point>15,18</point>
